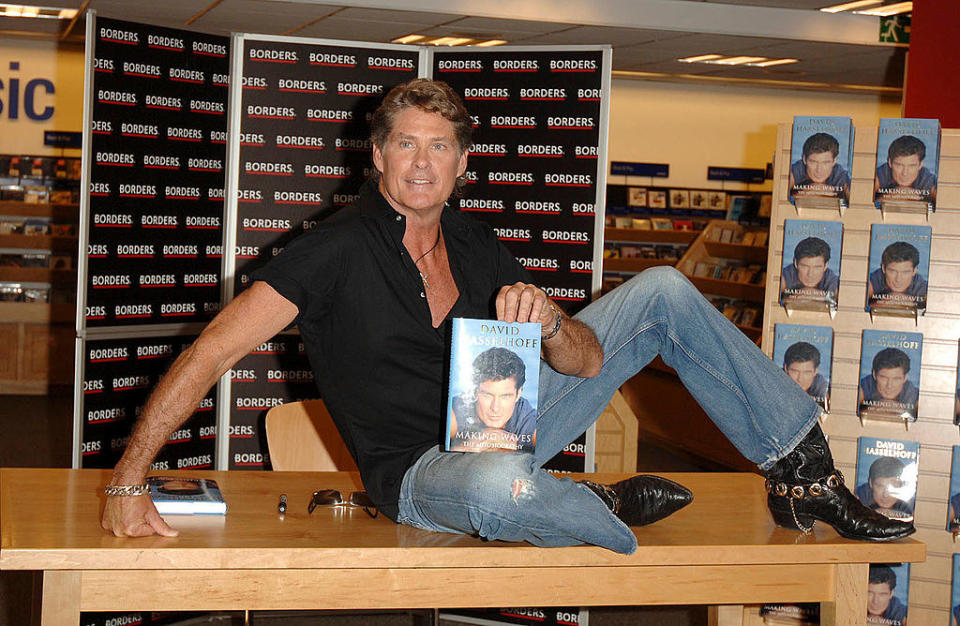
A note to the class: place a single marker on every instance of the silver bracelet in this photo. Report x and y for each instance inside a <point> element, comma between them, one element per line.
<point>126,490</point>
<point>556,327</point>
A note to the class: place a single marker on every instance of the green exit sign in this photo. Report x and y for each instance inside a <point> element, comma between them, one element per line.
<point>895,29</point>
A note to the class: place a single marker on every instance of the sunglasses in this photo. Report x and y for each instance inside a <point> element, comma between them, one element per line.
<point>333,497</point>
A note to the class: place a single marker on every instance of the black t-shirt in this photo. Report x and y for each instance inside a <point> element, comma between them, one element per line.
<point>365,322</point>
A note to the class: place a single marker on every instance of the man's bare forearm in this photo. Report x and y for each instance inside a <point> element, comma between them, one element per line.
<point>256,315</point>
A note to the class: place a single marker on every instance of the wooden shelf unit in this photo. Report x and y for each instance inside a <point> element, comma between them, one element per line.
<point>40,336</point>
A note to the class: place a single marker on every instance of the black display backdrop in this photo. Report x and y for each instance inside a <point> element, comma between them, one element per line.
<point>534,170</point>
<point>156,160</point>
<point>304,151</point>
<point>118,376</point>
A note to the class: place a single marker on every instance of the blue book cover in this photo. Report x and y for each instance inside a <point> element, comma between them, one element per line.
<point>889,375</point>
<point>955,592</point>
<point>494,380</point>
<point>887,476</point>
<point>821,159</point>
<point>810,277</point>
<point>805,352</point>
<point>888,591</point>
<point>181,495</point>
<point>908,162</point>
<point>953,497</point>
<point>898,267</point>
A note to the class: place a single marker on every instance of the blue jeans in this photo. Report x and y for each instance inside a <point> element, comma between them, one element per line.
<point>509,497</point>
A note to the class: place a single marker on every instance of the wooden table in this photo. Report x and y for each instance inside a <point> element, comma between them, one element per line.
<point>722,549</point>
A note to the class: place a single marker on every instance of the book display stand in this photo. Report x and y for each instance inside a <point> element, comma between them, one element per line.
<point>934,429</point>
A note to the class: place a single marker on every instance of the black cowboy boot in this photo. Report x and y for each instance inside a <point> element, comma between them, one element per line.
<point>642,499</point>
<point>804,487</point>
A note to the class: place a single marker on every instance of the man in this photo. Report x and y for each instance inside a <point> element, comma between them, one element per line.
<point>373,293</point>
<point>801,362</point>
<point>897,277</point>
<point>809,270</point>
<point>817,172</point>
<point>883,484</point>
<point>887,381</point>
<point>882,606</point>
<point>494,406</point>
<point>904,176</point>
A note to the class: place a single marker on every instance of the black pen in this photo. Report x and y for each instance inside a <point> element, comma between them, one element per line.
<point>282,505</point>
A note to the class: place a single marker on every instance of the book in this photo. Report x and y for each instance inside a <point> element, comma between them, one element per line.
<point>821,159</point>
<point>887,476</point>
<point>679,199</point>
<point>955,591</point>
<point>657,198</point>
<point>810,278</point>
<point>805,353</point>
<point>181,495</point>
<point>898,268</point>
<point>803,613</point>
<point>889,375</point>
<point>637,197</point>
<point>953,495</point>
<point>908,161</point>
<point>717,200</point>
<point>887,592</point>
<point>698,199</point>
<point>494,381</point>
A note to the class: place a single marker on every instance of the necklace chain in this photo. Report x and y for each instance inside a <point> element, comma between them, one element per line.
<point>423,276</point>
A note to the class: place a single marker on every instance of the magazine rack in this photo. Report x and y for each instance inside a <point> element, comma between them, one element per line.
<point>930,586</point>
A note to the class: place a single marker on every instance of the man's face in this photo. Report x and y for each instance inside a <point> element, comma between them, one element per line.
<point>898,275</point>
<point>802,373</point>
<point>495,401</point>
<point>878,598</point>
<point>420,162</point>
<point>884,489</point>
<point>810,270</point>
<point>905,169</point>
<point>890,381</point>
<point>819,165</point>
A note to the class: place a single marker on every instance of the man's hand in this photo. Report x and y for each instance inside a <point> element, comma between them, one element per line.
<point>134,516</point>
<point>522,302</point>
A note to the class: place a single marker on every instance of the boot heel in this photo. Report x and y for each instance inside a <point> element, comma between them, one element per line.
<point>783,516</point>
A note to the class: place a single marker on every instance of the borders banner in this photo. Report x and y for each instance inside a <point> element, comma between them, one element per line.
<point>119,374</point>
<point>157,145</point>
<point>302,108</point>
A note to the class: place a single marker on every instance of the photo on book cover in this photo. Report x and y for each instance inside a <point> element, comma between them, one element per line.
<point>810,277</point>
<point>805,353</point>
<point>889,375</point>
<point>887,593</point>
<point>908,160</point>
<point>494,381</point>
<point>887,472</point>
<point>183,495</point>
<point>953,497</point>
<point>821,158</point>
<point>898,267</point>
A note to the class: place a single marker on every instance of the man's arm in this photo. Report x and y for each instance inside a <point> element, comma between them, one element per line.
<point>574,350</point>
<point>252,318</point>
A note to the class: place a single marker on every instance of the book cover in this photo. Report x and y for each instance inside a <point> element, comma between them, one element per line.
<point>889,375</point>
<point>821,159</point>
<point>898,268</point>
<point>637,197</point>
<point>887,593</point>
<point>908,161</point>
<point>679,199</point>
<point>887,476</point>
<point>956,398</point>
<point>955,592</point>
<point>810,277</point>
<point>698,199</point>
<point>805,352</point>
<point>494,381</point>
<point>657,198</point>
<point>180,495</point>
<point>953,497</point>
<point>802,613</point>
